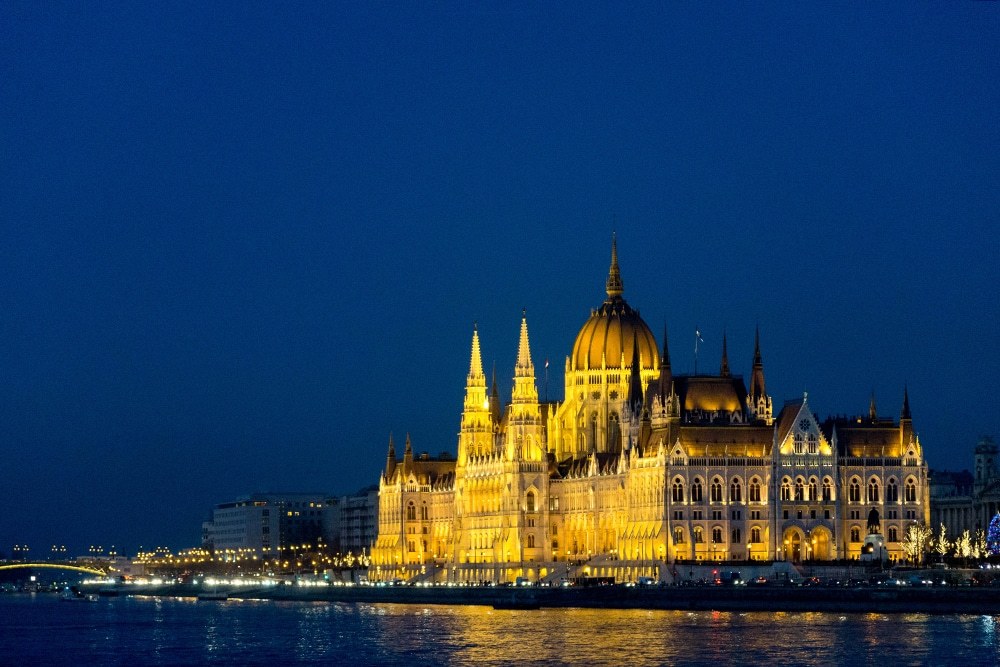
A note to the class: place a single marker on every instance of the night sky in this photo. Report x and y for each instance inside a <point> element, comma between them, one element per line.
<point>241,244</point>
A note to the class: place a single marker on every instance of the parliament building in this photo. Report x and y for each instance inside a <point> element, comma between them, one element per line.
<point>638,469</point>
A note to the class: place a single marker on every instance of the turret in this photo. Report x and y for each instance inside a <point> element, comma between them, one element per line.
<point>905,421</point>
<point>758,400</point>
<point>475,437</point>
<point>390,460</point>
<point>524,426</point>
<point>724,366</point>
<point>408,455</point>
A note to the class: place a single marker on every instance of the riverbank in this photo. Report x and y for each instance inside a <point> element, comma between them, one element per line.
<point>901,599</point>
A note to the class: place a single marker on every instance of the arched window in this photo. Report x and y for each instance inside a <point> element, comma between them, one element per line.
<point>717,535</point>
<point>786,489</point>
<point>531,541</point>
<point>736,491</point>
<point>854,491</point>
<point>855,534</point>
<point>736,536</point>
<point>893,535</point>
<point>411,512</point>
<point>798,489</point>
<point>911,491</point>
<point>716,490</point>
<point>827,490</point>
<point>754,490</point>
<point>813,495</point>
<point>678,535</point>
<point>891,491</point>
<point>696,492</point>
<point>798,443</point>
<point>755,535</point>
<point>813,443</point>
<point>423,512</point>
<point>873,491</point>
<point>677,491</point>
<point>531,501</point>
<point>698,537</point>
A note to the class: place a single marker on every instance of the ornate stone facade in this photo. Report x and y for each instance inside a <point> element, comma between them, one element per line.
<point>638,468</point>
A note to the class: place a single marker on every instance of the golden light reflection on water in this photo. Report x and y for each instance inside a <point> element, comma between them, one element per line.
<point>481,635</point>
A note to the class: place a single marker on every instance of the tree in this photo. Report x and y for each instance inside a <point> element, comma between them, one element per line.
<point>963,546</point>
<point>916,542</point>
<point>941,544</point>
<point>993,537</point>
<point>979,549</point>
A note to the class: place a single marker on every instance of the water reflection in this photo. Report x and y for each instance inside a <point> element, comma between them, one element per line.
<point>130,631</point>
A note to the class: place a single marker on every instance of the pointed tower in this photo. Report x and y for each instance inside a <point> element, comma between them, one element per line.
<point>524,426</point>
<point>758,400</point>
<point>408,455</point>
<point>475,436</point>
<point>724,366</point>
<point>495,407</point>
<point>635,393</point>
<point>390,460</point>
<point>905,422</point>
<point>614,285</point>
<point>872,412</point>
<point>666,375</point>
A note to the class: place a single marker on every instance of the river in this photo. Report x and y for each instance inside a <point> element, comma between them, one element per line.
<point>41,629</point>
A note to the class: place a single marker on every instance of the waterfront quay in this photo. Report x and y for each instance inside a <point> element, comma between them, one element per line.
<point>878,598</point>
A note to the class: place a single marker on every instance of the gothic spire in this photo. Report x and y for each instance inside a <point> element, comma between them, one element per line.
<point>390,459</point>
<point>408,453</point>
<point>635,398</point>
<point>872,413</point>
<point>905,414</point>
<point>476,364</point>
<point>724,366</point>
<point>757,374</point>
<point>614,285</point>
<point>666,377</point>
<point>524,365</point>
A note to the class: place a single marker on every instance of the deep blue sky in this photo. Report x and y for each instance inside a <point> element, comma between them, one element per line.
<point>241,244</point>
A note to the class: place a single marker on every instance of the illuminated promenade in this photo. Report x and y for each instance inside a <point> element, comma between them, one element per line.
<point>895,599</point>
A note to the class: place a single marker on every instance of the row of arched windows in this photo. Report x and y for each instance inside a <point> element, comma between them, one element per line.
<point>716,490</point>
<point>873,491</point>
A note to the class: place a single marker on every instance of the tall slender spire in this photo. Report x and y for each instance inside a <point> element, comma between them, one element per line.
<point>408,452</point>
<point>905,414</point>
<point>666,376</point>
<point>494,396</point>
<point>757,374</point>
<point>476,364</point>
<point>872,412</point>
<point>614,285</point>
<point>523,348</point>
<point>724,366</point>
<point>635,397</point>
<point>390,459</point>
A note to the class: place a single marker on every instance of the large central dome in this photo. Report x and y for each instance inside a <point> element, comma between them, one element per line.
<point>613,330</point>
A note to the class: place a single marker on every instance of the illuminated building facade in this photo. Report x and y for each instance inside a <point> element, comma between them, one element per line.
<point>638,468</point>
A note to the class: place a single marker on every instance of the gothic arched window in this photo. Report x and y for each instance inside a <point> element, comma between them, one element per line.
<point>736,491</point>
<point>696,491</point>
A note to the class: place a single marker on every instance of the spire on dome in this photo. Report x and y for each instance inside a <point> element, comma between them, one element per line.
<point>523,348</point>
<point>905,414</point>
<point>614,284</point>
<point>724,366</point>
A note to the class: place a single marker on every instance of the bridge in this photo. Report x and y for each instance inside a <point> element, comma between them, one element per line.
<point>55,566</point>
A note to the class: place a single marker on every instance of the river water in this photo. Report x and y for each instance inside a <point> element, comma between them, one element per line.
<point>43,630</point>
